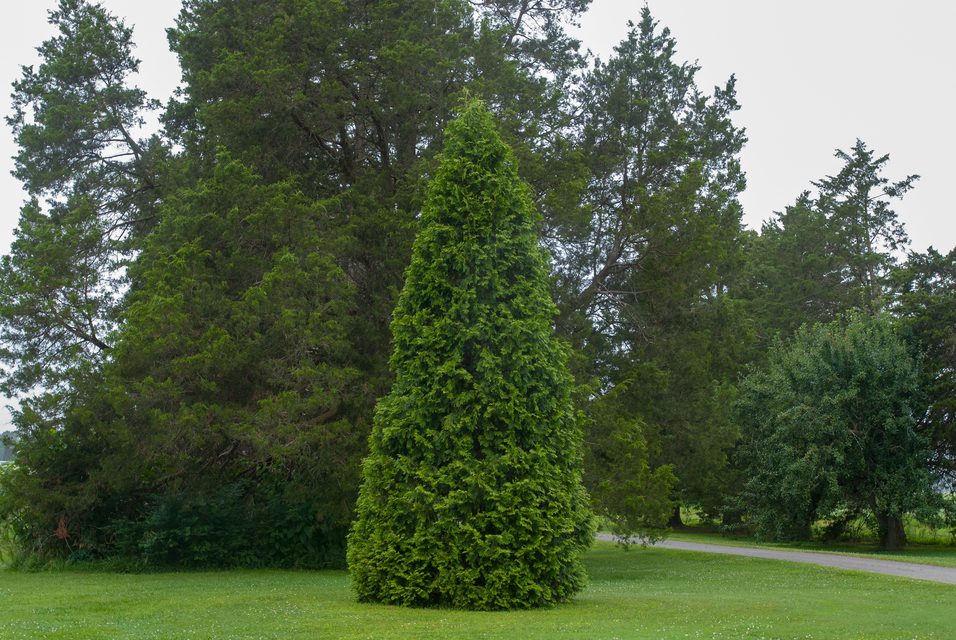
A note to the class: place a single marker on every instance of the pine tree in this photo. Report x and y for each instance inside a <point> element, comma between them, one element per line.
<point>472,492</point>
<point>646,264</point>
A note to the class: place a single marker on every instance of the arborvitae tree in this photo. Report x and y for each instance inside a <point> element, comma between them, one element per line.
<point>472,492</point>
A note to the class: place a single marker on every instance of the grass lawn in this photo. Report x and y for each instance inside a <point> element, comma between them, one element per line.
<point>943,555</point>
<point>649,593</point>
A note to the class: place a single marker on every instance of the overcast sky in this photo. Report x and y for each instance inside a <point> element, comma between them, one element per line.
<point>812,77</point>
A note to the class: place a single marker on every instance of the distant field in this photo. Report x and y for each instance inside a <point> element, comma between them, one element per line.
<point>649,593</point>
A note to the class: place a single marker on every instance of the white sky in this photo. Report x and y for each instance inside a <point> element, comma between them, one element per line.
<point>812,77</point>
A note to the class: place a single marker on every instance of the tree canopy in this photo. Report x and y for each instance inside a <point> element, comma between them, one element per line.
<point>829,430</point>
<point>198,324</point>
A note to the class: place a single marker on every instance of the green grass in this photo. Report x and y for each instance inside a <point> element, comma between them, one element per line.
<point>650,593</point>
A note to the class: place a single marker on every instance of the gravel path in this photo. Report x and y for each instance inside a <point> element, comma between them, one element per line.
<point>888,567</point>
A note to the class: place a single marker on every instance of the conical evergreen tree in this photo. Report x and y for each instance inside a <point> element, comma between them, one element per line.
<point>472,492</point>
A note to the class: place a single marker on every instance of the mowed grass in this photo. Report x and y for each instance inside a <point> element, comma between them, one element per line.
<point>649,593</point>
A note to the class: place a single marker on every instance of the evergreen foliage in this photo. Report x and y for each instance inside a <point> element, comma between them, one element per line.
<point>93,188</point>
<point>200,320</point>
<point>230,367</point>
<point>472,492</point>
<point>857,204</point>
<point>233,345</point>
<point>634,498</point>
<point>795,271</point>
<point>825,255</point>
<point>222,529</point>
<point>646,263</point>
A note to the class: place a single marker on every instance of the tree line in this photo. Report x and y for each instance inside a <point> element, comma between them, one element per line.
<point>196,324</point>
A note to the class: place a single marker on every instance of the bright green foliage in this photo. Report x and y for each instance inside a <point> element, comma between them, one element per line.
<point>472,495</point>
<point>828,430</point>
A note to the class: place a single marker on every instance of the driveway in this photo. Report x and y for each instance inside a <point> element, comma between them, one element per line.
<point>856,563</point>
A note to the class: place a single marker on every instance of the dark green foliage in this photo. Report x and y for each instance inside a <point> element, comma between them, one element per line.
<point>635,499</point>
<point>826,255</point>
<point>228,529</point>
<point>829,429</point>
<point>352,99</point>
<point>647,261</point>
<point>796,271</point>
<point>233,353</point>
<point>233,340</point>
<point>925,300</point>
<point>472,495</point>
<point>74,119</point>
<point>856,202</point>
<point>252,328</point>
<point>197,316</point>
<point>231,358</point>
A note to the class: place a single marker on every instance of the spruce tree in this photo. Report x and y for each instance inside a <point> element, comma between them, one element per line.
<point>472,492</point>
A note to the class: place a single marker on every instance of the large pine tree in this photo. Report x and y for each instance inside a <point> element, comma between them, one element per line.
<point>472,493</point>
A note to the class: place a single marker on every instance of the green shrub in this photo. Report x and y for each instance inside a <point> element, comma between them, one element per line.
<point>472,492</point>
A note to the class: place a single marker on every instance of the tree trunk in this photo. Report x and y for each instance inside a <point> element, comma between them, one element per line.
<point>891,531</point>
<point>675,522</point>
<point>892,534</point>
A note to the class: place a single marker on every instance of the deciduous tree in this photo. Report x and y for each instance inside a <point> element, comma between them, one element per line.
<point>925,301</point>
<point>829,428</point>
